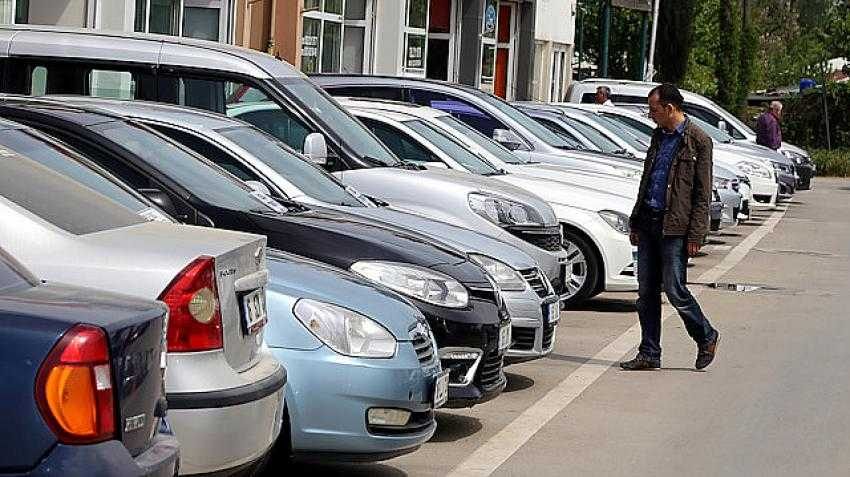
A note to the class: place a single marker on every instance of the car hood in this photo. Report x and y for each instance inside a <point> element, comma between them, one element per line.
<point>298,277</point>
<point>570,195</point>
<point>405,183</point>
<point>595,180</point>
<point>341,239</point>
<point>756,150</point>
<point>462,239</point>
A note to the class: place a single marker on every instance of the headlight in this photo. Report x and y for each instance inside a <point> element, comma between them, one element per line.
<point>506,277</point>
<point>416,282</point>
<point>794,156</point>
<point>345,331</point>
<point>617,221</point>
<point>754,168</point>
<point>503,211</point>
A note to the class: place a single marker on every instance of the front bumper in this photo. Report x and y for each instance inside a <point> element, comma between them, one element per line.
<point>805,171</point>
<point>223,428</point>
<point>732,202</point>
<point>532,329</point>
<point>328,396</point>
<point>765,192</point>
<point>161,459</point>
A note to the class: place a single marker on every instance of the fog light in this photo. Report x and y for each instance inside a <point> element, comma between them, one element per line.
<point>388,417</point>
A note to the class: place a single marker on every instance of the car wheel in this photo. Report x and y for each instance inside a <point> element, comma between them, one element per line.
<point>582,268</point>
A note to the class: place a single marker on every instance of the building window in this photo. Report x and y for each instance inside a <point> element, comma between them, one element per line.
<point>202,19</point>
<point>558,74</point>
<point>334,36</point>
<point>488,43</point>
<point>415,38</point>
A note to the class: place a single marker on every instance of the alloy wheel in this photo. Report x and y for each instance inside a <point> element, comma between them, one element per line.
<point>576,275</point>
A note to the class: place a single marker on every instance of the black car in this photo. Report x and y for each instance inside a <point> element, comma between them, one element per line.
<point>459,299</point>
<point>83,390</point>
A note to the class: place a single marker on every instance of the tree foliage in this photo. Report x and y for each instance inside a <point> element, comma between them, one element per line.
<point>675,37</point>
<point>727,62</point>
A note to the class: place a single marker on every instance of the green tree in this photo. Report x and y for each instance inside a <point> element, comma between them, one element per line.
<point>746,57</point>
<point>675,38</point>
<point>727,58</point>
<point>700,77</point>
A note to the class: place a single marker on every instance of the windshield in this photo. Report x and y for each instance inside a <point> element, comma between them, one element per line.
<point>636,139</point>
<point>526,121</point>
<point>633,123</point>
<point>489,145</point>
<point>593,135</point>
<point>335,118</point>
<point>202,180</point>
<point>712,130</point>
<point>308,178</point>
<point>57,159</point>
<point>469,160</point>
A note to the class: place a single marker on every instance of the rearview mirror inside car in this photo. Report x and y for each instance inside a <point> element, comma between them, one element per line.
<point>507,138</point>
<point>161,200</point>
<point>316,149</point>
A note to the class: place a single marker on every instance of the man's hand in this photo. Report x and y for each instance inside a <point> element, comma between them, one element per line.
<point>693,248</point>
<point>633,238</point>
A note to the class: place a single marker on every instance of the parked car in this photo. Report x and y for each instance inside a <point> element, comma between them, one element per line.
<point>308,427</point>
<point>213,282</point>
<point>264,162</point>
<point>459,298</point>
<point>635,92</point>
<point>490,115</point>
<point>589,206</point>
<point>220,77</point>
<point>348,397</point>
<point>83,380</point>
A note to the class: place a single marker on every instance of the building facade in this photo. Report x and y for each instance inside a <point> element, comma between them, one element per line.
<point>516,49</point>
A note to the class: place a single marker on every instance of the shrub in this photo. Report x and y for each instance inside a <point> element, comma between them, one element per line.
<point>803,119</point>
<point>832,163</point>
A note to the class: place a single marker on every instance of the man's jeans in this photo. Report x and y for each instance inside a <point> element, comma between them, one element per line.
<point>662,263</point>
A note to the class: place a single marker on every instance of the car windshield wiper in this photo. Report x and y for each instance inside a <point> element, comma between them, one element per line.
<point>500,172</point>
<point>375,162</point>
<point>411,166</point>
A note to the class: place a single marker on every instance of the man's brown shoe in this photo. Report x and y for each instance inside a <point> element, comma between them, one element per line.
<point>705,353</point>
<point>641,362</point>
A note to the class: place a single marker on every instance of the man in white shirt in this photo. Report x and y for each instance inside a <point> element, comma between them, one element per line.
<point>603,96</point>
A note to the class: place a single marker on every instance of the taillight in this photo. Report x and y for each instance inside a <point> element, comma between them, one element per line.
<point>74,387</point>
<point>194,321</point>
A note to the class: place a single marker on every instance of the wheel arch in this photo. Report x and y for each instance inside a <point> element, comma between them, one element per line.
<point>597,254</point>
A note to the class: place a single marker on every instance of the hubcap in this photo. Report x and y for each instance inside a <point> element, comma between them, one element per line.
<point>576,269</point>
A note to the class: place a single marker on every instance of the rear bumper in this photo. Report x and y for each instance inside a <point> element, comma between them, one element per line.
<point>112,458</point>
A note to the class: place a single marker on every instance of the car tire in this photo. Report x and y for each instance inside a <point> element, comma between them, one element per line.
<point>583,268</point>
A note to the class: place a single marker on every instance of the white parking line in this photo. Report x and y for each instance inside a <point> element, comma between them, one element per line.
<point>499,448</point>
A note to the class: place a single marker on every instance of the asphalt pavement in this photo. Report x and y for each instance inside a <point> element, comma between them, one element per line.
<point>775,402</point>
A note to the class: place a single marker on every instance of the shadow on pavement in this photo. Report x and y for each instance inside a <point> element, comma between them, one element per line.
<point>453,427</point>
<point>606,305</point>
<point>581,360</point>
<point>517,382</point>
<point>347,470</point>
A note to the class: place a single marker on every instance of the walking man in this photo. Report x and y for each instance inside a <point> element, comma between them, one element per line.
<point>768,132</point>
<point>668,225</point>
<point>603,96</point>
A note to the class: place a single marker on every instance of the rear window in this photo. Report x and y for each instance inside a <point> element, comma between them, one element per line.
<point>64,203</point>
<point>11,275</point>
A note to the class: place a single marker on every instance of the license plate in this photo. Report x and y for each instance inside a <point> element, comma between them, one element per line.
<point>254,310</point>
<point>441,390</point>
<point>504,337</point>
<point>553,312</point>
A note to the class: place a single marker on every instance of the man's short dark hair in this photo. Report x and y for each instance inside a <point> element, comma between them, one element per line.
<point>668,94</point>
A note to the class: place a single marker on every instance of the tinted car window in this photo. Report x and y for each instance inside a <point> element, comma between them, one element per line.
<point>462,110</point>
<point>482,141</point>
<point>199,178</point>
<point>308,178</point>
<point>525,121</point>
<point>280,124</point>
<point>457,151</point>
<point>374,92</point>
<point>400,143</point>
<point>56,158</point>
<point>646,129</point>
<point>59,200</point>
<point>598,139</point>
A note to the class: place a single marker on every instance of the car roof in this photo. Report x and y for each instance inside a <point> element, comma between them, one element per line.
<point>40,41</point>
<point>381,113</point>
<point>391,107</point>
<point>342,79</point>
<point>161,112</point>
<point>81,115</point>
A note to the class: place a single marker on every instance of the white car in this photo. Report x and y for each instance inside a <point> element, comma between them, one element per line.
<point>592,208</point>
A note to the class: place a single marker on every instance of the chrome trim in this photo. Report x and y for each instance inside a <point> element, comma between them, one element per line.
<point>473,368</point>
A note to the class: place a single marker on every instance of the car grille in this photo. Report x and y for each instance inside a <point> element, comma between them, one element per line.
<point>490,371</point>
<point>424,347</point>
<point>523,338</point>
<point>536,281</point>
<point>548,238</point>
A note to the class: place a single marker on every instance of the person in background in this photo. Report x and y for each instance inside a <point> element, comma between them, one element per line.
<point>603,96</point>
<point>768,132</point>
<point>668,224</point>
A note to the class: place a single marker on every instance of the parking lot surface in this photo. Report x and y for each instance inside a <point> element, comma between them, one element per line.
<point>775,402</point>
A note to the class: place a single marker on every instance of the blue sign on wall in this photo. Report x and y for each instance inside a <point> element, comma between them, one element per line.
<point>490,19</point>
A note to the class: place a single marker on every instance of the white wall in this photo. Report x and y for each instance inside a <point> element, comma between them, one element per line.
<point>555,21</point>
<point>69,13</point>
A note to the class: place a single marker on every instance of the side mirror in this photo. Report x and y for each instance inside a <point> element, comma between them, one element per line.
<point>507,138</point>
<point>316,149</point>
<point>258,186</point>
<point>721,125</point>
<point>161,200</point>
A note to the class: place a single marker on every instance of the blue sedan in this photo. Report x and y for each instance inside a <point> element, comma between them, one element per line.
<point>82,371</point>
<point>363,376</point>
